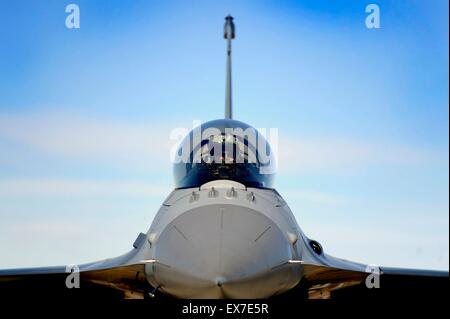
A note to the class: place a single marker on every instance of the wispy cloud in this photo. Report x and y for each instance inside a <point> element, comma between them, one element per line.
<point>316,197</point>
<point>346,155</point>
<point>87,139</point>
<point>51,187</point>
<point>67,187</point>
<point>48,227</point>
<point>126,143</point>
<point>383,245</point>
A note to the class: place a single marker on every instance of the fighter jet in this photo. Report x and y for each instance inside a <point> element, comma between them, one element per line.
<point>223,232</point>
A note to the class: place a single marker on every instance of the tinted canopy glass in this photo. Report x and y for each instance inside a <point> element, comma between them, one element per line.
<point>224,149</point>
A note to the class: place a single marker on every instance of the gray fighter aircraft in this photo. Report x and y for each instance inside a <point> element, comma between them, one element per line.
<point>224,232</point>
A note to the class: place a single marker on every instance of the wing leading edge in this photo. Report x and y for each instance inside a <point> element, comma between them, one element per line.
<point>385,283</point>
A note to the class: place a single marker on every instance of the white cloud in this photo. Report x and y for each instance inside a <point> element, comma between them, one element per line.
<point>126,143</point>
<point>67,187</point>
<point>48,227</point>
<point>382,244</point>
<point>339,155</point>
<point>83,138</point>
<point>316,197</point>
<point>62,240</point>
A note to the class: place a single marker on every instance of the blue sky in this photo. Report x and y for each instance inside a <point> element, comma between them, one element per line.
<point>85,117</point>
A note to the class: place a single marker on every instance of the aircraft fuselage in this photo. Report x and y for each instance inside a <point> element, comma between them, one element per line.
<point>224,240</point>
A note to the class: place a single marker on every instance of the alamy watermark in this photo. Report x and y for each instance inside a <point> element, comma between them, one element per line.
<point>373,17</point>
<point>373,279</point>
<point>73,278</point>
<point>73,17</point>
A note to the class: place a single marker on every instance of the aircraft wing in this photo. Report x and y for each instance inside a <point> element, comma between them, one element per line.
<point>104,280</point>
<point>347,280</point>
<point>128,281</point>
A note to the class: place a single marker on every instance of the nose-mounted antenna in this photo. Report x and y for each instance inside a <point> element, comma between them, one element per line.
<point>228,34</point>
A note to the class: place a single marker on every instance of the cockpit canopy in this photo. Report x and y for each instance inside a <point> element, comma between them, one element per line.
<point>224,149</point>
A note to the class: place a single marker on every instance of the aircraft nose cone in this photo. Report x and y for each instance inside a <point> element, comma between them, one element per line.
<point>221,251</point>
